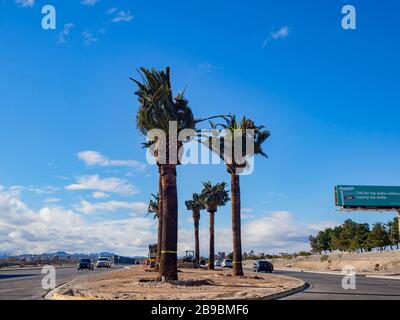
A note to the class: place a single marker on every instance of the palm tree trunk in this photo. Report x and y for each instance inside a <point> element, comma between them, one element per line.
<point>169,242</point>
<point>236,225</point>
<point>212,247</point>
<point>196,218</point>
<point>159,231</point>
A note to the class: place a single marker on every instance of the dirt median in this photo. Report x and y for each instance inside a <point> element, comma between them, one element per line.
<point>136,284</point>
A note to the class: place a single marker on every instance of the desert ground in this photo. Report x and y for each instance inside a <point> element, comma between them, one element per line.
<point>136,284</point>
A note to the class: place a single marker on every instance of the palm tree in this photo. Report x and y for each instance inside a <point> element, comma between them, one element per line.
<point>195,205</point>
<point>213,196</point>
<point>157,109</point>
<point>154,208</point>
<point>247,131</point>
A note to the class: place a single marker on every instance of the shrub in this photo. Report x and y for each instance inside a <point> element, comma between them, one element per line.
<point>324,258</point>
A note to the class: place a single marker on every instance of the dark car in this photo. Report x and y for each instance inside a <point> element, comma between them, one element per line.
<point>263,266</point>
<point>86,264</point>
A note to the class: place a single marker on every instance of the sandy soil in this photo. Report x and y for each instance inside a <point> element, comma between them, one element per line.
<point>135,284</point>
<point>383,263</point>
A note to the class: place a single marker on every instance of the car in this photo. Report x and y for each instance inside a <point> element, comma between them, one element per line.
<point>227,263</point>
<point>218,263</point>
<point>103,262</point>
<point>263,266</point>
<point>86,264</point>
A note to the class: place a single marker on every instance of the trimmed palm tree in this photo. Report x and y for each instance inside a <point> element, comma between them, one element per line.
<point>213,196</point>
<point>158,108</point>
<point>248,133</point>
<point>195,205</point>
<point>154,208</point>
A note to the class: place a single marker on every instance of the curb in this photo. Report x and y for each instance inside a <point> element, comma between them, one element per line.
<point>337,273</point>
<point>383,277</point>
<point>49,295</point>
<point>333,273</point>
<point>287,293</point>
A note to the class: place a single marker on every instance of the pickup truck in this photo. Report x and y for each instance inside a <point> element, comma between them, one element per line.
<point>103,262</point>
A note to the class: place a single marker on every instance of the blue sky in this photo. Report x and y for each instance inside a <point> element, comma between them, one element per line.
<point>329,96</point>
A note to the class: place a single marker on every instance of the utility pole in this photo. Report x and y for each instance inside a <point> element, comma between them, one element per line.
<point>398,221</point>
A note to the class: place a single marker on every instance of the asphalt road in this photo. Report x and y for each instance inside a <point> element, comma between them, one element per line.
<point>26,283</point>
<point>329,287</point>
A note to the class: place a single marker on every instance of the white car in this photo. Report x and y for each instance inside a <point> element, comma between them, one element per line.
<point>227,263</point>
<point>217,263</point>
<point>103,262</point>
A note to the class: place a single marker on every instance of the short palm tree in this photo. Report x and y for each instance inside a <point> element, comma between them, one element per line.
<point>154,208</point>
<point>213,196</point>
<point>195,205</point>
<point>247,131</point>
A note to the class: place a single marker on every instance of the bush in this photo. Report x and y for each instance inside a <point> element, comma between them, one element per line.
<point>324,258</point>
<point>304,254</point>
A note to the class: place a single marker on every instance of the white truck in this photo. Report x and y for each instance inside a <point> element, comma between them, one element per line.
<point>103,262</point>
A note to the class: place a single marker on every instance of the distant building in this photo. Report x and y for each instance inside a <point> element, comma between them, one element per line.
<point>283,254</point>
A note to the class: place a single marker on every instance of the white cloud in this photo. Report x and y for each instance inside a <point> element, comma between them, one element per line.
<point>100,195</point>
<point>278,232</point>
<point>113,185</point>
<point>122,16</point>
<point>281,33</point>
<point>87,207</point>
<point>34,189</point>
<point>274,233</point>
<point>25,3</point>
<point>112,10</point>
<point>54,228</point>
<point>88,38</point>
<point>62,36</point>
<point>52,200</point>
<point>208,67</point>
<point>89,2</point>
<point>94,158</point>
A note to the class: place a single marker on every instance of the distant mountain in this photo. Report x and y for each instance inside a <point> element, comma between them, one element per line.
<point>58,253</point>
<point>64,255</point>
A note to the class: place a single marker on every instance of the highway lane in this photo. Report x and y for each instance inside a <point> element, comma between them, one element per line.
<point>26,283</point>
<point>329,287</point>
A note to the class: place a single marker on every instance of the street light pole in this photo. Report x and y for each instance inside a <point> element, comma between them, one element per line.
<point>398,221</point>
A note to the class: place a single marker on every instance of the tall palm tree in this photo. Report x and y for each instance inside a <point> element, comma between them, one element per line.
<point>238,129</point>
<point>195,205</point>
<point>157,109</point>
<point>154,208</point>
<point>213,196</point>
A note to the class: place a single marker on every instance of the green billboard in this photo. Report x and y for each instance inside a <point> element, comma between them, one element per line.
<point>367,197</point>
